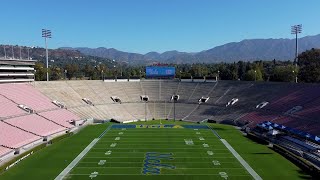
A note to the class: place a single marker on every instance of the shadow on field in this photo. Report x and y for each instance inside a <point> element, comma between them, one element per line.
<point>218,128</point>
<point>228,122</point>
<point>304,175</point>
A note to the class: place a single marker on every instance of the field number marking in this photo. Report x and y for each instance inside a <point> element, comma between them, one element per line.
<point>201,138</point>
<point>108,152</point>
<point>223,175</point>
<point>216,163</point>
<point>123,129</point>
<point>102,162</point>
<point>210,153</point>
<point>93,175</point>
<point>188,142</point>
<point>113,145</point>
<point>205,145</point>
<point>120,133</point>
<point>198,133</point>
<point>117,138</point>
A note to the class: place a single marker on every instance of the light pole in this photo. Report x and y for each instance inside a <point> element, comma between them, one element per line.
<point>65,74</point>
<point>5,53</point>
<point>34,78</point>
<point>102,75</point>
<point>174,98</point>
<point>12,52</point>
<point>28,48</point>
<point>218,74</point>
<point>46,34</point>
<point>255,75</point>
<point>296,29</point>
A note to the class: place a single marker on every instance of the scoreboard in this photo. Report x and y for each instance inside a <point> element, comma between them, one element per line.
<point>160,72</point>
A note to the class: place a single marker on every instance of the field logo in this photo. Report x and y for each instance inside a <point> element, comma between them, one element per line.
<point>149,126</point>
<point>177,126</point>
<point>152,163</point>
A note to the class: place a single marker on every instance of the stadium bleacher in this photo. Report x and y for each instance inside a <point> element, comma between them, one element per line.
<point>36,125</point>
<point>293,105</point>
<point>20,129</point>
<point>13,137</point>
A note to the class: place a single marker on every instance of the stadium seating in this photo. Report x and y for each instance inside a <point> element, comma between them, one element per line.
<point>27,95</point>
<point>4,151</point>
<point>9,108</point>
<point>282,97</point>
<point>13,137</point>
<point>61,117</point>
<point>36,125</point>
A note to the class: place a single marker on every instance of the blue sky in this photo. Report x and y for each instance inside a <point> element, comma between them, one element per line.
<point>149,25</point>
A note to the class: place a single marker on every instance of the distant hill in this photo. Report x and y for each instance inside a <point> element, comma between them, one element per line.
<point>246,50</point>
<point>56,56</point>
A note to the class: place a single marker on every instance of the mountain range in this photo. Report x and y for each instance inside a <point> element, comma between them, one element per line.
<point>246,50</point>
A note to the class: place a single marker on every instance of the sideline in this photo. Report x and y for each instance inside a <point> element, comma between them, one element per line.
<point>80,156</point>
<point>237,156</point>
<point>241,160</point>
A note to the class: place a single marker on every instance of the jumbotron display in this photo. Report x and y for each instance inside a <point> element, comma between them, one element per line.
<point>160,72</point>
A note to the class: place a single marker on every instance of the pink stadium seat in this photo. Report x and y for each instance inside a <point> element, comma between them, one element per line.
<point>255,118</point>
<point>13,137</point>
<point>8,108</point>
<point>27,95</point>
<point>4,150</point>
<point>61,117</point>
<point>36,124</point>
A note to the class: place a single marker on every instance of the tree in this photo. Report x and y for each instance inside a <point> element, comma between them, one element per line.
<point>253,75</point>
<point>40,74</point>
<point>309,63</point>
<point>56,73</point>
<point>71,70</point>
<point>284,73</point>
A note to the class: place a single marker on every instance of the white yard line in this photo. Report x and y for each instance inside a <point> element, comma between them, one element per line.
<point>140,168</point>
<point>241,160</point>
<point>188,157</point>
<point>80,156</point>
<point>76,160</point>
<point>242,175</point>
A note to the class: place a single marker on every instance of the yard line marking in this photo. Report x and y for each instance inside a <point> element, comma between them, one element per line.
<point>109,157</point>
<point>234,175</point>
<point>159,148</point>
<point>237,156</point>
<point>241,160</point>
<point>146,141</point>
<point>122,162</point>
<point>140,168</point>
<point>176,152</point>
<point>80,156</point>
<point>76,160</point>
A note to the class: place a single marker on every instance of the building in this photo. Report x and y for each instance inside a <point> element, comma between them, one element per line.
<point>16,70</point>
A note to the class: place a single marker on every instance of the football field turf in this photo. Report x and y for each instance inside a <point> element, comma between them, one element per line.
<point>158,152</point>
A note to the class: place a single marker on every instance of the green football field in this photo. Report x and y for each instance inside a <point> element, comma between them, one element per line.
<point>158,152</point>
<point>154,153</point>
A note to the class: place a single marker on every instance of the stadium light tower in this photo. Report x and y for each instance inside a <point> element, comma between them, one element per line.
<point>296,29</point>
<point>46,34</point>
<point>5,53</point>
<point>174,98</point>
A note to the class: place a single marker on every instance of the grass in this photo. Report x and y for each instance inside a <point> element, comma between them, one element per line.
<point>127,158</point>
<point>50,161</point>
<point>267,163</point>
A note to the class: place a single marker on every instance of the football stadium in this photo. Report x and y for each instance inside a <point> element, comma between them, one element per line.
<point>155,128</point>
<point>159,90</point>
